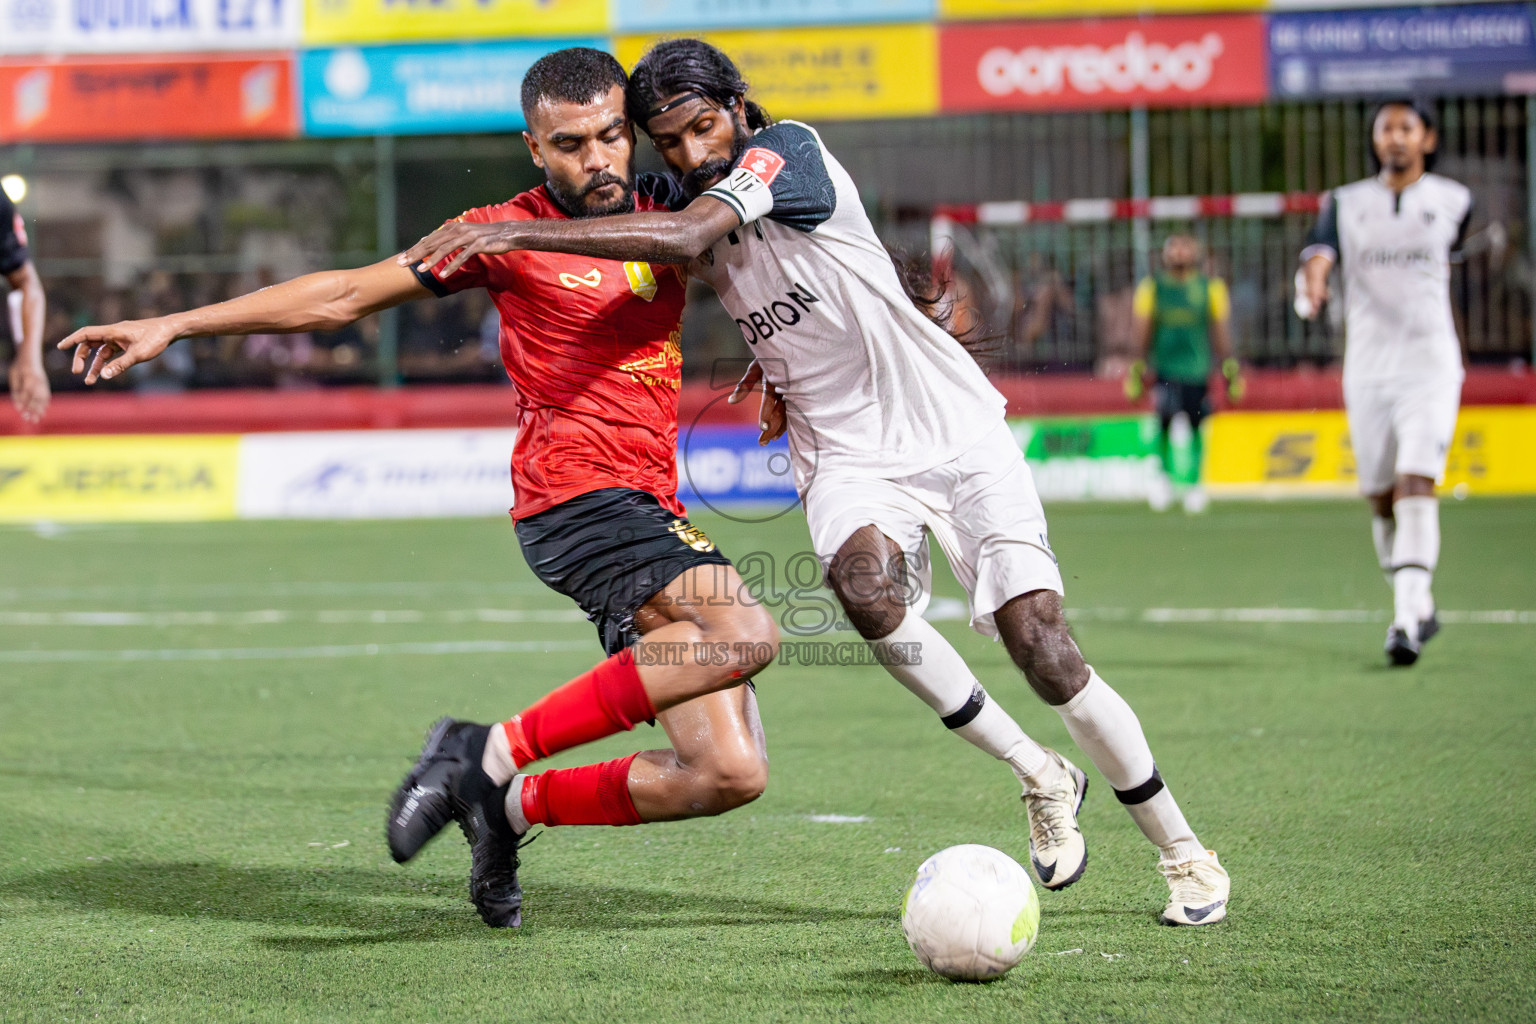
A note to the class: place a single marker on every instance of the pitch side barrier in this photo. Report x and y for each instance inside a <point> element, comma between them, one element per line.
<point>100,461</point>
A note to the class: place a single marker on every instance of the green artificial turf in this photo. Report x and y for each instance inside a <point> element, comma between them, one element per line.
<point>201,838</point>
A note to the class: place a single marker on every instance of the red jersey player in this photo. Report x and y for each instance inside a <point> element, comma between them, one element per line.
<point>592,348</point>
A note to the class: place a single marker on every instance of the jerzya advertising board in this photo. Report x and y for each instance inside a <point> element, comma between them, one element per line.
<point>148,26</point>
<point>1117,62</point>
<point>104,98</point>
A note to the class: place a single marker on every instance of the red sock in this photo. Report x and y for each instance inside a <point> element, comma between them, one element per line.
<point>594,794</point>
<point>607,699</point>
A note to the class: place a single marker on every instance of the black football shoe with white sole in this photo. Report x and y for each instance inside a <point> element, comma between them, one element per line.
<point>425,802</point>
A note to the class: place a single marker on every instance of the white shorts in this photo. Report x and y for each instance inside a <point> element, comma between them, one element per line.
<point>981,507</point>
<point>1401,429</point>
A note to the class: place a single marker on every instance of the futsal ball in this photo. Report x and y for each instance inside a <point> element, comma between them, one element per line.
<point>971,914</point>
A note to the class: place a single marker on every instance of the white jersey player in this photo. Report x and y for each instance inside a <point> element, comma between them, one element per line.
<point>895,435</point>
<point>1393,237</point>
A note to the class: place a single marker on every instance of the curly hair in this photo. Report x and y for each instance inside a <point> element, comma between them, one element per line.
<point>575,75</point>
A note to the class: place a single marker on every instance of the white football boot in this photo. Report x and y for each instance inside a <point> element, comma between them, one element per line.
<point>1056,846</point>
<point>1197,890</point>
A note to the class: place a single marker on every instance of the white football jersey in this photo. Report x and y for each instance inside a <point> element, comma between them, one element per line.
<point>1394,251</point>
<point>873,386</point>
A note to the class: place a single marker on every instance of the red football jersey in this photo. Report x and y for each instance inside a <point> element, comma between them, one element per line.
<point>593,347</point>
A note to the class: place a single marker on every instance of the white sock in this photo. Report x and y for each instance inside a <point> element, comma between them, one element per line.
<point>1383,530</point>
<point>1103,725</point>
<point>1415,552</point>
<point>514,806</point>
<point>928,665</point>
<point>497,760</point>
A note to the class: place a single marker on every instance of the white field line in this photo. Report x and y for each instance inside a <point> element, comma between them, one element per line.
<point>941,610</point>
<point>949,610</point>
<point>299,653</point>
<point>1492,617</point>
<point>284,616</point>
<point>203,591</point>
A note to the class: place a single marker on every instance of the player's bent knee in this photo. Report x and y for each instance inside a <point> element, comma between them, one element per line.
<point>755,642</point>
<point>734,783</point>
<point>868,599</point>
<point>1034,630</point>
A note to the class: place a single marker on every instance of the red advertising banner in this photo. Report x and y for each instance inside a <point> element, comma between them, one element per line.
<point>88,99</point>
<point>1114,62</point>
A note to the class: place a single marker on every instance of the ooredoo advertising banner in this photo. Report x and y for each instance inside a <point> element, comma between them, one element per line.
<point>98,98</point>
<point>998,10</point>
<point>1117,62</point>
<point>1471,49</point>
<point>147,26</point>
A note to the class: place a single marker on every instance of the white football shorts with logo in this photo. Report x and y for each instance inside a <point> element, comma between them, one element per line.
<point>1400,429</point>
<point>981,506</point>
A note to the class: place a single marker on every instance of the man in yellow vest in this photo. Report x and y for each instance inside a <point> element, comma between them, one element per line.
<point>1182,318</point>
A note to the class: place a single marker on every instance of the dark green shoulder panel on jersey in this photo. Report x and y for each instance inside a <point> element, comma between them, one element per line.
<point>13,249</point>
<point>804,195</point>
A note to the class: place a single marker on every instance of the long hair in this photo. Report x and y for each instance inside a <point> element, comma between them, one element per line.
<point>932,294</point>
<point>688,65</point>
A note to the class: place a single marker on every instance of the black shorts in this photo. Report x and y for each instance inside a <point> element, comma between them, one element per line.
<point>610,551</point>
<point>1174,397</point>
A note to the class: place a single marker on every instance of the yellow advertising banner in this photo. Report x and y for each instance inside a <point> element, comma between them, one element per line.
<point>380,21</point>
<point>118,478</point>
<point>1281,453</point>
<point>998,10</point>
<point>828,73</point>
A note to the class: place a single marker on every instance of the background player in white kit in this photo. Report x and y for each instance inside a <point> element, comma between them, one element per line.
<point>1393,237</point>
<point>894,433</point>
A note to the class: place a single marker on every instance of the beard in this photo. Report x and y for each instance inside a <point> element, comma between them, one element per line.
<point>573,200</point>
<point>703,176</point>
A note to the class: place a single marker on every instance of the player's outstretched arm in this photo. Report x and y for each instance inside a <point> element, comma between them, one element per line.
<point>315,302</point>
<point>653,237</point>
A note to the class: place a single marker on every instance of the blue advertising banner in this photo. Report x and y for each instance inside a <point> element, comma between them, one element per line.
<point>424,89</point>
<point>1467,49</point>
<point>723,466</point>
<point>696,15</point>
